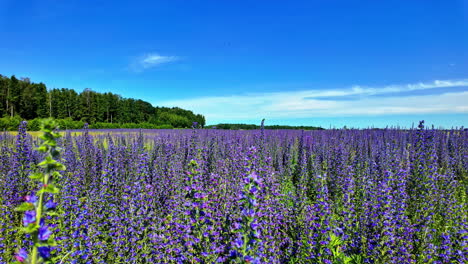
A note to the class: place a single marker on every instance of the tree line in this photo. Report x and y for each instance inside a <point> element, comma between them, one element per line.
<point>252,126</point>
<point>23,99</point>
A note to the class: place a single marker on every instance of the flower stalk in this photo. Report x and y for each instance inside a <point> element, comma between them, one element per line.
<point>34,207</point>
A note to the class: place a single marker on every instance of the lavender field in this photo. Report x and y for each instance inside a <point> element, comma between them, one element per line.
<point>260,196</point>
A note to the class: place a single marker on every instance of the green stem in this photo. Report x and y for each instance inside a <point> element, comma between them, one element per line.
<point>38,218</point>
<point>34,255</point>
<point>61,261</point>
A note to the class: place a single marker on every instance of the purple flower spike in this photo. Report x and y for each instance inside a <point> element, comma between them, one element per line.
<point>50,205</point>
<point>44,252</point>
<point>31,199</point>
<point>44,233</point>
<point>21,255</point>
<point>29,217</point>
<point>253,176</point>
<point>238,242</point>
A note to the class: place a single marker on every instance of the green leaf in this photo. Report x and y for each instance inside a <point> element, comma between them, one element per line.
<point>45,162</point>
<point>56,175</point>
<point>36,176</point>
<point>25,207</point>
<point>42,148</point>
<point>60,167</point>
<point>52,213</point>
<point>51,143</point>
<point>30,228</point>
<point>50,188</point>
<point>51,241</point>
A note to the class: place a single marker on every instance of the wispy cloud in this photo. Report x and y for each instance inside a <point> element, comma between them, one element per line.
<point>391,89</point>
<point>327,103</point>
<point>151,60</point>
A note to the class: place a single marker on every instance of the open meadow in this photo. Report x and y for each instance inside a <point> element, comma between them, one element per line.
<point>259,196</point>
<point>234,132</point>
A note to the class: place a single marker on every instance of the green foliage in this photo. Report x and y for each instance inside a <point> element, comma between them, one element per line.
<point>10,123</point>
<point>23,99</point>
<point>338,255</point>
<point>25,207</point>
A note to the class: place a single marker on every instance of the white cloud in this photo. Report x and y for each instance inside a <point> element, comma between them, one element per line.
<point>151,60</point>
<point>314,103</point>
<point>363,90</point>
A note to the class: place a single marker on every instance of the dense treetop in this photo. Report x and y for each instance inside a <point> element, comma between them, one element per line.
<point>23,99</point>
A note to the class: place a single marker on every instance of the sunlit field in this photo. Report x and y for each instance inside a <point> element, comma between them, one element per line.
<point>259,196</point>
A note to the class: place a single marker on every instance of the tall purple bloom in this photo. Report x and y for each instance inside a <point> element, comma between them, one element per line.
<point>44,252</point>
<point>44,232</point>
<point>248,235</point>
<point>29,218</point>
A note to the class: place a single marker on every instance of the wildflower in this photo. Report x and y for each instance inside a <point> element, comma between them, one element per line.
<point>29,217</point>
<point>21,255</point>
<point>44,232</point>
<point>31,199</point>
<point>51,165</point>
<point>44,252</point>
<point>50,205</point>
<point>239,242</point>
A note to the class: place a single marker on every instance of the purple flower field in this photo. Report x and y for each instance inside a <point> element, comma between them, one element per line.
<point>259,196</point>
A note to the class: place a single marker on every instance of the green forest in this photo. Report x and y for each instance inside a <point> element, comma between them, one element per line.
<point>21,99</point>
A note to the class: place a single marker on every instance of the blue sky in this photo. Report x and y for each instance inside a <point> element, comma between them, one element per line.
<point>328,63</point>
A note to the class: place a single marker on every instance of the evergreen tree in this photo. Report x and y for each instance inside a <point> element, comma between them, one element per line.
<point>28,100</point>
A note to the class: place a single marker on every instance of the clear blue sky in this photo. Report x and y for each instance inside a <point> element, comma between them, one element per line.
<point>354,63</point>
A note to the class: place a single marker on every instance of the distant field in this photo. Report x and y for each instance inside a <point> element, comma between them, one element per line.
<point>92,132</point>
